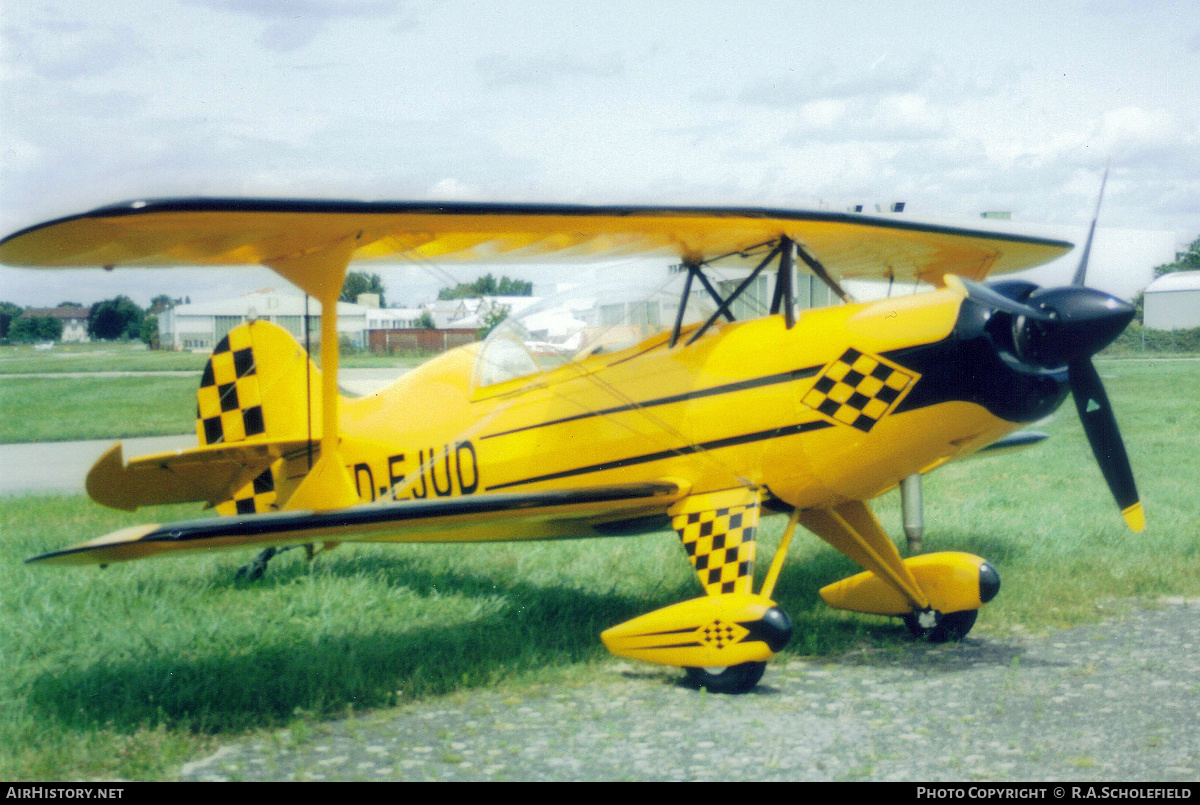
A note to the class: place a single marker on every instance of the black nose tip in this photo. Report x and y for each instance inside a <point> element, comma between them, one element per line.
<point>989,582</point>
<point>1084,322</point>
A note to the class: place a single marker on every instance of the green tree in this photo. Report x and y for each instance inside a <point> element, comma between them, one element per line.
<point>425,321</point>
<point>8,314</point>
<point>487,285</point>
<point>491,320</point>
<point>149,331</point>
<point>359,283</point>
<point>508,287</point>
<point>115,318</point>
<point>35,328</point>
<point>163,302</point>
<point>1187,260</point>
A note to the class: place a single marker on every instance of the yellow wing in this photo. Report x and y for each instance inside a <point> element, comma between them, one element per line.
<point>272,231</point>
<point>585,512</point>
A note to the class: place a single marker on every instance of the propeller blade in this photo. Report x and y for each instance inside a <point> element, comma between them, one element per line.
<point>1101,428</point>
<point>1081,269</point>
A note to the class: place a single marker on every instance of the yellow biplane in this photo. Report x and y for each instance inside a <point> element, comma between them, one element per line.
<point>701,406</point>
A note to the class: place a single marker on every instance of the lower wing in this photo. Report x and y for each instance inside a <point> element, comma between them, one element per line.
<point>584,512</point>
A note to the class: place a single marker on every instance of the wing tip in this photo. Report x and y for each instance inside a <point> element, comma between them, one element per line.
<point>113,547</point>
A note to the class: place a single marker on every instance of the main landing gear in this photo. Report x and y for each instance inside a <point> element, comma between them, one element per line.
<point>938,627</point>
<point>258,566</point>
<point>730,679</point>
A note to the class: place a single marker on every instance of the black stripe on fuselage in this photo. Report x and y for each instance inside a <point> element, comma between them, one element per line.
<point>715,444</point>
<point>729,388</point>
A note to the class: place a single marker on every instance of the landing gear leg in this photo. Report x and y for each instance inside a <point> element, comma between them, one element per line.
<point>255,570</point>
<point>914,516</point>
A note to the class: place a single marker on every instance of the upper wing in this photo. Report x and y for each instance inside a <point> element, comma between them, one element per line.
<point>214,231</point>
<point>539,515</point>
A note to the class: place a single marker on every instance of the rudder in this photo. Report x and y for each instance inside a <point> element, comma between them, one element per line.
<point>254,388</point>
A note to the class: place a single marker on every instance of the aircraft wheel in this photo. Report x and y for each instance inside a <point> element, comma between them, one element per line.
<point>730,679</point>
<point>949,626</point>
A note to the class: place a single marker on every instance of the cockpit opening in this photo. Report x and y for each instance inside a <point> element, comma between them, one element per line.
<point>619,307</point>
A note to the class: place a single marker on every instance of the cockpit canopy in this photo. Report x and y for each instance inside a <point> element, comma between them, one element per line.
<point>623,308</point>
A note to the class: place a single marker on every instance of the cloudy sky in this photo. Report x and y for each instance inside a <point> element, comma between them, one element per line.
<point>953,107</point>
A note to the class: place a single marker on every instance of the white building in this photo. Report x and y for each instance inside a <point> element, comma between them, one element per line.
<point>74,322</point>
<point>199,326</point>
<point>394,318</point>
<point>1173,301</point>
<point>478,310</point>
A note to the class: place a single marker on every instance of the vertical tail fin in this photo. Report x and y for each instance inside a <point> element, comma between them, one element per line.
<point>259,384</point>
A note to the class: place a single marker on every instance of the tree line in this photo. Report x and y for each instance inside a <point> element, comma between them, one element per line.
<point>119,318</point>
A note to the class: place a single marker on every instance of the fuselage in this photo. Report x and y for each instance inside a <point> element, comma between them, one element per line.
<point>841,406</point>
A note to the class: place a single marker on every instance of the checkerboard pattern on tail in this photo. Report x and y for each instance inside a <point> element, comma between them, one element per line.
<point>254,381</point>
<point>229,402</point>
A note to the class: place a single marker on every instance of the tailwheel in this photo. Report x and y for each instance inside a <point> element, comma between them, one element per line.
<point>939,627</point>
<point>739,678</point>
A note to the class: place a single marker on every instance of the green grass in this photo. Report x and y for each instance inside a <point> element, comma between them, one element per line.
<point>97,357</point>
<point>40,409</point>
<point>129,671</point>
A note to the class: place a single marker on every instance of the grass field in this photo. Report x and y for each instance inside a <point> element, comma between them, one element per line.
<point>97,357</point>
<point>129,671</point>
<point>48,409</point>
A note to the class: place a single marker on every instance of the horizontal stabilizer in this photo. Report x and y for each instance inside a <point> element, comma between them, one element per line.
<point>207,473</point>
<point>538,515</point>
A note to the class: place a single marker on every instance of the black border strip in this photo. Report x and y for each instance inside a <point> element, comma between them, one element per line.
<point>730,388</point>
<point>266,525</point>
<point>715,444</point>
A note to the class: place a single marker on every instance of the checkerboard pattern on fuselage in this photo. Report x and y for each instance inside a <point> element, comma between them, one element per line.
<point>858,390</point>
<point>229,403</point>
<point>720,543</point>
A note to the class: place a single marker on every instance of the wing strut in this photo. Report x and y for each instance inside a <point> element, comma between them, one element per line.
<point>724,307</point>
<point>687,291</point>
<point>783,300</point>
<point>783,282</point>
<point>820,271</point>
<point>321,273</point>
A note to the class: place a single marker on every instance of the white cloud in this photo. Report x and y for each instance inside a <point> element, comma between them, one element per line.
<point>954,110</point>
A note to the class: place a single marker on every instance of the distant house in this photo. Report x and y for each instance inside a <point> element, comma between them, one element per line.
<point>74,321</point>
<point>199,326</point>
<point>394,318</point>
<point>476,312</point>
<point>1172,302</point>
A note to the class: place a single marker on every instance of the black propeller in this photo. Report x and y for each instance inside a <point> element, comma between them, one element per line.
<point>1066,326</point>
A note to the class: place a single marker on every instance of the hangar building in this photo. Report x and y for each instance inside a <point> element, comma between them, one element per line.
<point>1173,301</point>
